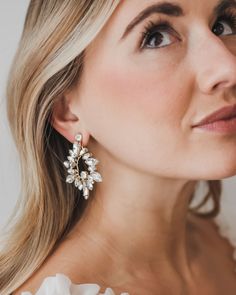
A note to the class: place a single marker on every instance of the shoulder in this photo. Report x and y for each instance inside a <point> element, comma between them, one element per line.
<point>214,235</point>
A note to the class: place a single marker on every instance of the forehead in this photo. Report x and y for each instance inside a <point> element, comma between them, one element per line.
<point>131,8</point>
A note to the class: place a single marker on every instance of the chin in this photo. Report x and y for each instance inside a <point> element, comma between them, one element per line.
<point>220,173</point>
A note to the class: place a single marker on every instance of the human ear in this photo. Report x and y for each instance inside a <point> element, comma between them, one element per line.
<point>65,120</point>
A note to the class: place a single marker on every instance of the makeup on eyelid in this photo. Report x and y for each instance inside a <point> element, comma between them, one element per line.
<point>224,7</point>
<point>153,27</point>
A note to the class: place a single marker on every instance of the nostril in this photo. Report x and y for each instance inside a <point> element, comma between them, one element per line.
<point>223,84</point>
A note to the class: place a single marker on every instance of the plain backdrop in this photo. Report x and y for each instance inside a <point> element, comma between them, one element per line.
<point>12,13</point>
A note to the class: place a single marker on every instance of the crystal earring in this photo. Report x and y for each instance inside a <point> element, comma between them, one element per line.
<point>83,180</point>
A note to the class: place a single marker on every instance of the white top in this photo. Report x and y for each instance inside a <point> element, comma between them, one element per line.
<point>62,285</point>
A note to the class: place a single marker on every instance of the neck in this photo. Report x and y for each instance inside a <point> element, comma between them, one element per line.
<point>141,221</point>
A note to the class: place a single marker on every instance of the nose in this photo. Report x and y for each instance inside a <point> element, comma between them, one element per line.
<point>215,64</point>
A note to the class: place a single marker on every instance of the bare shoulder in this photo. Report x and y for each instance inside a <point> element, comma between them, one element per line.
<point>214,265</point>
<point>33,283</point>
<point>63,261</point>
<point>209,231</point>
<point>50,267</point>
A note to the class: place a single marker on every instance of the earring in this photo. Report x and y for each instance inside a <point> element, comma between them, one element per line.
<point>83,180</point>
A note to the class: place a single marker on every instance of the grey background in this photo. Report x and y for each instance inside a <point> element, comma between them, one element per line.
<point>12,13</point>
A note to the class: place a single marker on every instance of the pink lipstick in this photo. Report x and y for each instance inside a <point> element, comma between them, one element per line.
<point>222,120</point>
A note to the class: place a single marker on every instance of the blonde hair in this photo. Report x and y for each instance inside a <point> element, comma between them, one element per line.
<point>49,60</point>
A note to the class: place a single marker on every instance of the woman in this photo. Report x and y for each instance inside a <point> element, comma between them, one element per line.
<point>129,84</point>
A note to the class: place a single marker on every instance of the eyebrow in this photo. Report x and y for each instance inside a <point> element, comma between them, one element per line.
<point>172,9</point>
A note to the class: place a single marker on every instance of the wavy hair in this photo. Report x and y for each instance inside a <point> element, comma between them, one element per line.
<point>48,61</point>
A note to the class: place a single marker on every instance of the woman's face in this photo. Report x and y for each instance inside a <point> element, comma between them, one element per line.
<point>141,91</point>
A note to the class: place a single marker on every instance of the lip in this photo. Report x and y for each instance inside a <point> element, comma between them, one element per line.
<point>223,114</point>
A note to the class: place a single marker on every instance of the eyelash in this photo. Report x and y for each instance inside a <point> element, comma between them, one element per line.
<point>165,26</point>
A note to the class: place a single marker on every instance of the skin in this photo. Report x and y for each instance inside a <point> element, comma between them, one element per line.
<point>135,110</point>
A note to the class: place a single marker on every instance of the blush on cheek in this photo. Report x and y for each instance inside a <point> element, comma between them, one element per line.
<point>130,93</point>
<point>127,89</point>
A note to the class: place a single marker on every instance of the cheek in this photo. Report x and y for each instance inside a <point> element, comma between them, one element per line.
<point>125,109</point>
<point>138,98</point>
<point>134,89</point>
<point>133,93</point>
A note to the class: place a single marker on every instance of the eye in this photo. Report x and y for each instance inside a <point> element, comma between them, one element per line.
<point>157,35</point>
<point>225,25</point>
